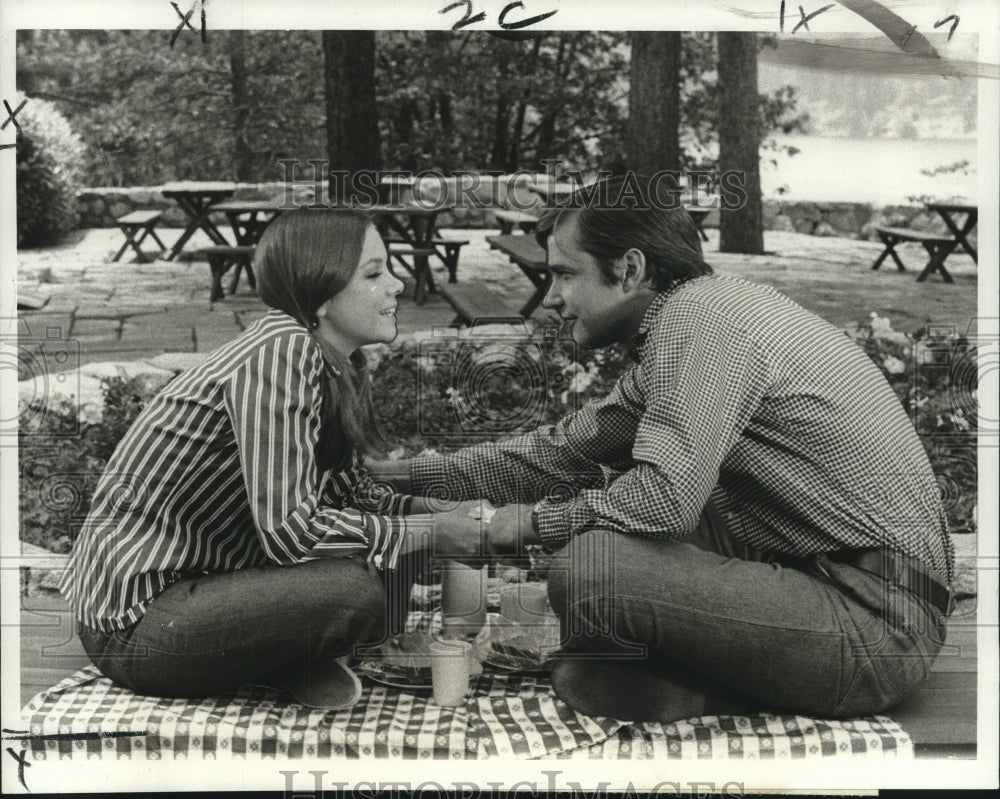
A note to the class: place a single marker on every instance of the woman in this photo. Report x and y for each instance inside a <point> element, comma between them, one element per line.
<point>234,536</point>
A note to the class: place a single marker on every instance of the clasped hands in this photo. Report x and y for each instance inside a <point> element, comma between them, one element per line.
<point>467,530</point>
<point>473,531</point>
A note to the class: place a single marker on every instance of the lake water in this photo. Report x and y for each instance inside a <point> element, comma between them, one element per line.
<point>879,171</point>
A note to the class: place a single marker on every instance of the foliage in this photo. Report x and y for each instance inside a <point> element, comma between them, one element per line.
<point>49,153</point>
<point>446,395</point>
<point>961,167</point>
<point>447,101</point>
<point>151,114</point>
<point>700,106</point>
<point>433,394</point>
<point>935,376</point>
<point>59,472</point>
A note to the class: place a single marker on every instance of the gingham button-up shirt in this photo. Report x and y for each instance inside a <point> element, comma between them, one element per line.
<point>218,473</point>
<point>739,394</point>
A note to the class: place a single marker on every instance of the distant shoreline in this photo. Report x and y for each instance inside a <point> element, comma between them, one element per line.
<point>868,170</point>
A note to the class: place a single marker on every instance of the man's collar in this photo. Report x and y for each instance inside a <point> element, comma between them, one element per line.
<point>638,342</point>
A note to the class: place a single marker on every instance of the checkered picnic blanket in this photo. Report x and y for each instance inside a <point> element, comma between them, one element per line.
<point>86,716</point>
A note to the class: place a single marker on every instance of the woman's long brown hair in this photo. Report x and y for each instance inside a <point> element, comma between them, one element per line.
<point>304,258</point>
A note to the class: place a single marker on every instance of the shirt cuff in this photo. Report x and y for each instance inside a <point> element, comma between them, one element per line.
<point>427,471</point>
<point>386,534</point>
<point>549,521</point>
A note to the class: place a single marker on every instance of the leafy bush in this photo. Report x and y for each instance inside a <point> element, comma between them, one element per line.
<point>49,157</point>
<point>935,375</point>
<point>449,394</point>
<point>59,473</point>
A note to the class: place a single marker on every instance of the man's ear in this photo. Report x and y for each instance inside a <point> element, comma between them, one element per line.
<point>631,268</point>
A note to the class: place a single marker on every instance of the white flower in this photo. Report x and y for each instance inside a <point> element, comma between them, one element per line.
<point>958,419</point>
<point>893,366</point>
<point>882,330</point>
<point>581,382</point>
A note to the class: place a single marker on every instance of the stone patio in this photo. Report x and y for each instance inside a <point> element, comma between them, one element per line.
<point>132,311</point>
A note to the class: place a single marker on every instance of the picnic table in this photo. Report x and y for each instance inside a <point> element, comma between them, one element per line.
<point>248,219</point>
<point>530,258</point>
<point>938,247</point>
<point>196,200</point>
<point>554,192</point>
<point>959,233</point>
<point>410,230</point>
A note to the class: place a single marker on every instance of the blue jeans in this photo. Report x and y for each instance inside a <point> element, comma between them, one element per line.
<point>658,631</point>
<point>209,634</point>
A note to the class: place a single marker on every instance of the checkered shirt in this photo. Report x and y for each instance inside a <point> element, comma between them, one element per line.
<point>740,394</point>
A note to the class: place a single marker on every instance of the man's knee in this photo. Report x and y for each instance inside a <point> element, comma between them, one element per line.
<point>582,570</point>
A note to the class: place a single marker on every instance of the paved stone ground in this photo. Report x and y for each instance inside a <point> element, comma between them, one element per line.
<point>131,311</point>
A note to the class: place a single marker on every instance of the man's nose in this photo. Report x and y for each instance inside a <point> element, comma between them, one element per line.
<point>552,299</point>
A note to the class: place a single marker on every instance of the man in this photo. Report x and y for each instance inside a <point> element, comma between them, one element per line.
<point>747,521</point>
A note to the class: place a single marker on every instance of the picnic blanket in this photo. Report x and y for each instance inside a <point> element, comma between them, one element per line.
<point>506,715</point>
<point>86,716</point>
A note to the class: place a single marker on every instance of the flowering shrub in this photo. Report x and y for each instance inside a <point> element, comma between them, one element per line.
<point>935,376</point>
<point>59,472</point>
<point>484,386</point>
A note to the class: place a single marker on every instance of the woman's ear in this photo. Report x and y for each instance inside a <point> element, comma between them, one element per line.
<point>632,269</point>
<point>321,311</point>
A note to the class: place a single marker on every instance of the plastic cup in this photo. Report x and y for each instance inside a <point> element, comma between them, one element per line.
<point>450,671</point>
<point>463,598</point>
<point>524,603</point>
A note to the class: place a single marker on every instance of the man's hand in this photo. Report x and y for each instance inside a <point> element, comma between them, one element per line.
<point>510,531</point>
<point>394,473</point>
<point>459,535</point>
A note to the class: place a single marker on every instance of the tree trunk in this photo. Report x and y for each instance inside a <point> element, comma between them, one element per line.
<point>517,134</point>
<point>241,105</point>
<point>501,113</point>
<point>654,102</point>
<point>741,229</point>
<point>352,137</point>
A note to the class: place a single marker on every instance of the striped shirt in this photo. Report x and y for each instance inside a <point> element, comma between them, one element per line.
<point>218,473</point>
<point>740,395</point>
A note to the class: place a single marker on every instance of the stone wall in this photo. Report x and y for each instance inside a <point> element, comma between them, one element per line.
<point>99,207</point>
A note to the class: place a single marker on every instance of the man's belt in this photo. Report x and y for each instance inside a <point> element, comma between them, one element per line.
<point>903,570</point>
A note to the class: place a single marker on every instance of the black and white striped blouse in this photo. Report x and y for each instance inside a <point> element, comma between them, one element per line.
<point>218,473</point>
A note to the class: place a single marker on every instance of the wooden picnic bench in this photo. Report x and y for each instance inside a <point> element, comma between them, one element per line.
<point>137,226</point>
<point>448,250</point>
<point>935,245</point>
<point>220,258</point>
<point>476,303</point>
<point>508,220</point>
<point>530,258</point>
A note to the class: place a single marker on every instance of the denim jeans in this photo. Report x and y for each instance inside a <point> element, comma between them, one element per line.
<point>209,634</point>
<point>658,631</point>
